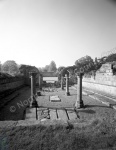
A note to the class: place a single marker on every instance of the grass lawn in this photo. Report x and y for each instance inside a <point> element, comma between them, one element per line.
<point>98,134</point>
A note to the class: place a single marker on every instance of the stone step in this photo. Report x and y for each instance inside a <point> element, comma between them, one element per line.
<point>30,114</point>
<point>51,114</point>
<point>71,115</point>
<point>62,115</point>
<point>42,113</point>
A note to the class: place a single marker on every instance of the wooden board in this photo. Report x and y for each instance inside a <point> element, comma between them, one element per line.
<point>53,115</point>
<point>62,115</point>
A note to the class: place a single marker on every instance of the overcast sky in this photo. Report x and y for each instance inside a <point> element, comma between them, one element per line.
<point>35,32</point>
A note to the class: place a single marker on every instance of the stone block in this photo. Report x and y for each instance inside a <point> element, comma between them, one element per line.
<point>72,115</point>
<point>55,98</point>
<point>53,115</point>
<point>62,115</point>
<point>30,114</point>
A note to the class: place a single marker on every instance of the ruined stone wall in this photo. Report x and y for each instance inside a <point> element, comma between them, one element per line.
<point>108,87</point>
<point>105,80</point>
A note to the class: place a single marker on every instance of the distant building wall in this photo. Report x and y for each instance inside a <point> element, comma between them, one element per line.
<point>50,78</point>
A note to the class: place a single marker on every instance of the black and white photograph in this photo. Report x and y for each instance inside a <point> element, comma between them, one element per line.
<point>57,74</point>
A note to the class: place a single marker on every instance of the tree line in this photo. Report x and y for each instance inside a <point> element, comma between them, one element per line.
<point>12,68</point>
<point>87,64</point>
<point>49,68</point>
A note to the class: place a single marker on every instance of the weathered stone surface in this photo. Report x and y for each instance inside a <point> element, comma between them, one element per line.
<point>105,68</point>
<point>108,87</point>
<point>27,122</point>
<point>62,115</point>
<point>30,113</point>
<point>50,122</point>
<point>53,115</point>
<point>55,98</point>
<point>72,115</point>
<point>6,124</point>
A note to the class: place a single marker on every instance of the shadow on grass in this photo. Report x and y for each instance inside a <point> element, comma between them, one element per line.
<point>87,111</point>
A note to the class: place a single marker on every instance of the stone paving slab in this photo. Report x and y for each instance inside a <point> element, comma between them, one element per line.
<point>72,115</point>
<point>46,122</point>
<point>6,124</point>
<point>55,98</point>
<point>30,113</point>
<point>53,115</point>
<point>27,122</point>
<point>62,115</point>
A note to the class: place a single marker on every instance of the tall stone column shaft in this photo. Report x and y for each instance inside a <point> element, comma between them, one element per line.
<point>79,102</point>
<point>33,89</point>
<point>79,90</point>
<point>40,82</point>
<point>67,85</point>
<point>62,87</point>
<point>33,85</point>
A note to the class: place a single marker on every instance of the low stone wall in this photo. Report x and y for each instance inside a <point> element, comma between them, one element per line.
<point>104,84</point>
<point>9,84</point>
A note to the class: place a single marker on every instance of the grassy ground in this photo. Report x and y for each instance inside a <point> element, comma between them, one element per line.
<point>99,134</point>
<point>94,129</point>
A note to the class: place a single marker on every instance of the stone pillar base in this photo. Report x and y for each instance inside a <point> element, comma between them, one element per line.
<point>38,93</point>
<point>40,88</point>
<point>33,103</point>
<point>62,88</point>
<point>79,105</point>
<point>68,93</point>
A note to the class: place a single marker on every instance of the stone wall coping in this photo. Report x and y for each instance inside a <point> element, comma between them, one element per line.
<point>106,83</point>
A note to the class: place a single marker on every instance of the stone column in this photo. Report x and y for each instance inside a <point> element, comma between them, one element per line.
<point>40,82</point>
<point>79,102</point>
<point>62,87</point>
<point>33,89</point>
<point>67,85</point>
